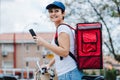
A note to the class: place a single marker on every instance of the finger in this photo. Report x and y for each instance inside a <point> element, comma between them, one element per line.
<point>34,37</point>
<point>47,66</point>
<point>36,40</point>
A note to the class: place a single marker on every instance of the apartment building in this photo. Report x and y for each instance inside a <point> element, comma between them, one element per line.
<point>19,51</point>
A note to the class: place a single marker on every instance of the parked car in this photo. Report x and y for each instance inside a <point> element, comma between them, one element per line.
<point>93,77</point>
<point>7,77</point>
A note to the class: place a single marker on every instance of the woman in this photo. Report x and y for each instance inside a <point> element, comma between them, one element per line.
<point>66,67</point>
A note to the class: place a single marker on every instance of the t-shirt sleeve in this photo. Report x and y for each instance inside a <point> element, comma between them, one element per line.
<point>63,28</point>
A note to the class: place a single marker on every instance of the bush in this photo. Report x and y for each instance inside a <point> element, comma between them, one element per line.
<point>102,72</point>
<point>93,73</point>
<point>110,74</point>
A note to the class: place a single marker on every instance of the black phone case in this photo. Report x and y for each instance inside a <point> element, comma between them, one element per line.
<point>32,32</point>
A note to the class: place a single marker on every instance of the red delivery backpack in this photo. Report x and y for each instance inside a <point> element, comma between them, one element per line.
<point>88,43</point>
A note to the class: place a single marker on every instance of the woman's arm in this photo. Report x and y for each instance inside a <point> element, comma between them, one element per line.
<point>50,63</point>
<point>62,49</point>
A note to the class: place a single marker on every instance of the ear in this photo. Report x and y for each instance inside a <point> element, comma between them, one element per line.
<point>64,13</point>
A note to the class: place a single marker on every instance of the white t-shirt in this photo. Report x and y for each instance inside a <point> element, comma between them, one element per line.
<point>67,64</point>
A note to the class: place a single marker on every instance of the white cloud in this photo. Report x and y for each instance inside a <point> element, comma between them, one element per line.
<point>16,14</point>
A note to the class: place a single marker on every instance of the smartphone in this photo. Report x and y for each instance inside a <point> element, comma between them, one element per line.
<point>32,32</point>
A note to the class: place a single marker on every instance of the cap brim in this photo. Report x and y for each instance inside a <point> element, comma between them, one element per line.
<point>50,6</point>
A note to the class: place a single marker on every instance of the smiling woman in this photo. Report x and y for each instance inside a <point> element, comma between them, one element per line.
<point>62,44</point>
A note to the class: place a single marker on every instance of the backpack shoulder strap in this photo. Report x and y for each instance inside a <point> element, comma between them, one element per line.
<point>73,56</point>
<point>56,41</point>
<point>68,26</point>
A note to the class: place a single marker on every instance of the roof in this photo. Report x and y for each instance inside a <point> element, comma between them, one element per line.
<point>23,37</point>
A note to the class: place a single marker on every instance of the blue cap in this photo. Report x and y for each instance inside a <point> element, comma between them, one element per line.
<point>58,4</point>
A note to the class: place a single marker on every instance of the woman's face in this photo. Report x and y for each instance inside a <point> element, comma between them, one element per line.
<point>56,15</point>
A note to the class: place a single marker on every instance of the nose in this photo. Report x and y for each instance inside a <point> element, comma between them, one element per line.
<point>53,13</point>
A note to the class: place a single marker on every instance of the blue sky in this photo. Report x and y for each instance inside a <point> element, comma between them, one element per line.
<point>20,15</point>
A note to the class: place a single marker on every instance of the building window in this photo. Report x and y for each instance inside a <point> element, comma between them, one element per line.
<point>27,64</point>
<point>7,47</point>
<point>7,64</point>
<point>38,48</point>
<point>27,48</point>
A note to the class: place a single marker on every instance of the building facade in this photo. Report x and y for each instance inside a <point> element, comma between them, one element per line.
<point>19,51</point>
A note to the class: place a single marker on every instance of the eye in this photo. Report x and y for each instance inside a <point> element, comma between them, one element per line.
<point>56,11</point>
<point>50,11</point>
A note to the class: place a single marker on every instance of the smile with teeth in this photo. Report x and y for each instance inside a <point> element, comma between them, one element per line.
<point>54,17</point>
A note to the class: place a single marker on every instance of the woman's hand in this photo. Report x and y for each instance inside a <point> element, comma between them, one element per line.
<point>47,66</point>
<point>39,40</point>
